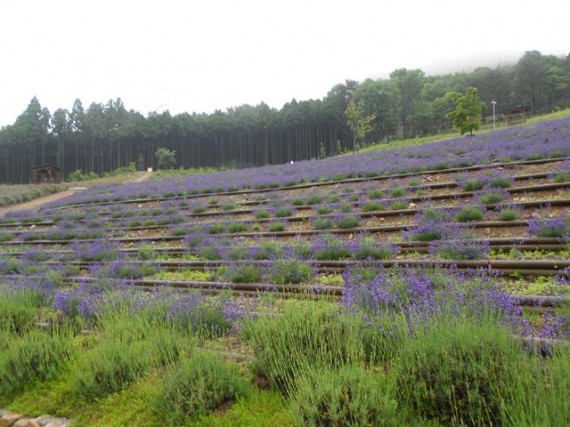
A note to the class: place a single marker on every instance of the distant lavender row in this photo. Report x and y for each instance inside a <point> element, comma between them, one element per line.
<point>546,139</point>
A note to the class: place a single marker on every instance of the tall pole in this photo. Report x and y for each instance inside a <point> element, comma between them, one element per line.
<point>494,103</point>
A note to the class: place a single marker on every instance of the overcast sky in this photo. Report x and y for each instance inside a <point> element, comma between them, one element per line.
<point>202,55</point>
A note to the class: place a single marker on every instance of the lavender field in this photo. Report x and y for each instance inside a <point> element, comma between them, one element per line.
<point>427,285</point>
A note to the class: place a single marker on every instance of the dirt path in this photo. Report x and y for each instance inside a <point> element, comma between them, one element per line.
<point>38,203</point>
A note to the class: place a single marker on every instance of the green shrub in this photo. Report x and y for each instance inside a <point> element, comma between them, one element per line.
<point>179,231</point>
<point>348,222</point>
<point>35,357</point>
<point>269,250</point>
<point>217,229</point>
<point>324,210</point>
<point>397,192</point>
<point>283,213</point>
<point>472,184</point>
<point>508,214</point>
<point>198,210</point>
<point>492,197</point>
<point>334,198</point>
<point>349,396</point>
<point>245,274</point>
<point>375,251</point>
<point>469,213</point>
<point>375,193</point>
<point>228,207</point>
<point>333,250</point>
<point>500,182</point>
<point>323,223</point>
<point>297,201</point>
<point>535,398</point>
<point>237,227</point>
<point>262,214</point>
<point>305,337</point>
<point>133,341</point>
<point>210,253</point>
<point>290,272</point>
<point>371,206</point>
<point>198,387</point>
<point>313,200</point>
<point>17,313</point>
<point>277,227</point>
<point>456,371</point>
<point>397,205</point>
<point>146,253</point>
<point>563,176</point>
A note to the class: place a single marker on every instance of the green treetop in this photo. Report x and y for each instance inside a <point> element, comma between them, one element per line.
<point>467,114</point>
<point>358,125</point>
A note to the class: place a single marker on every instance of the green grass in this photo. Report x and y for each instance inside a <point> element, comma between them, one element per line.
<point>451,134</point>
<point>14,194</point>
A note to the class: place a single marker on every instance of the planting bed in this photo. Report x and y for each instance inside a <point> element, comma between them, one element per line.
<point>397,287</point>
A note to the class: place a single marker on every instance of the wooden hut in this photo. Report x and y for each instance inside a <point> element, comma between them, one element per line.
<point>517,115</point>
<point>46,174</point>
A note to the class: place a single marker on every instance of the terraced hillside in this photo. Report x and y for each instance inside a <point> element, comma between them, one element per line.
<point>391,287</point>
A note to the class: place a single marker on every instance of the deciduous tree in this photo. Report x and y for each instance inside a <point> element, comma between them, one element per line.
<point>467,114</point>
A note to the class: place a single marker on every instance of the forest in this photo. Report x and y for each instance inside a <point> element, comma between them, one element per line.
<point>105,136</point>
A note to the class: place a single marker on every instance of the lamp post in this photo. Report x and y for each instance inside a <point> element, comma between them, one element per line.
<point>494,103</point>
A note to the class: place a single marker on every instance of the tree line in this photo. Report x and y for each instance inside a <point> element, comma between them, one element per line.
<point>104,137</point>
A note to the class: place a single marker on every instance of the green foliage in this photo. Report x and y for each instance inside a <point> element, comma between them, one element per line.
<point>457,371</point>
<point>37,356</point>
<point>375,193</point>
<point>132,344</point>
<point>269,250</point>
<point>397,192</point>
<point>314,199</point>
<point>290,272</point>
<point>371,206</point>
<point>78,175</point>
<point>303,338</point>
<point>323,223</point>
<point>347,222</point>
<point>563,176</point>
<point>237,227</point>
<point>508,214</point>
<point>262,214</point>
<point>472,184</point>
<point>146,253</point>
<point>218,228</point>
<point>324,210</point>
<point>467,114</point>
<point>359,126</point>
<point>469,213</point>
<point>349,396</point>
<point>500,182</point>
<point>283,213</point>
<point>492,197</point>
<point>198,387</point>
<point>165,158</point>
<point>245,274</point>
<point>277,227</point>
<point>397,205</point>
<point>18,311</point>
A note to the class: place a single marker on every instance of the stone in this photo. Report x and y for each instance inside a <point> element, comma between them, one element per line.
<point>26,422</point>
<point>412,205</point>
<point>9,419</point>
<point>46,420</point>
